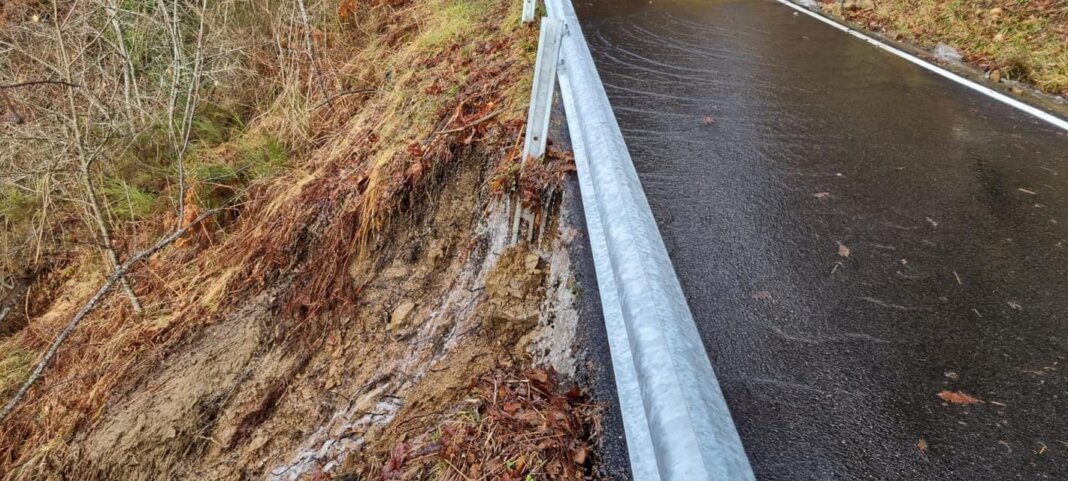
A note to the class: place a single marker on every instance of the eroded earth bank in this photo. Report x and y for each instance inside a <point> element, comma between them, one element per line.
<point>344,301</point>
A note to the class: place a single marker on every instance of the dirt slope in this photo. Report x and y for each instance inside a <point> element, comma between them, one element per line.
<point>355,299</point>
<point>448,299</point>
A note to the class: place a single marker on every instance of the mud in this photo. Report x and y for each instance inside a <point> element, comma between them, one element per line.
<point>436,306</point>
<point>177,412</point>
<point>513,293</point>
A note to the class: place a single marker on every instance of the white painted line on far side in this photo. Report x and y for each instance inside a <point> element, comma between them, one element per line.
<point>989,92</point>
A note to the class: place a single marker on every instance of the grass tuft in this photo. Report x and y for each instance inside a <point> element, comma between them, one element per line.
<point>128,202</point>
<point>17,205</point>
<point>15,365</point>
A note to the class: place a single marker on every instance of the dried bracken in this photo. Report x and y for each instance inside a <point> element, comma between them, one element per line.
<point>517,425</point>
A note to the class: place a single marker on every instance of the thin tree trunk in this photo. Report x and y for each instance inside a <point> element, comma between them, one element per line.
<point>130,92</point>
<point>105,235</point>
<point>309,44</point>
<point>86,161</point>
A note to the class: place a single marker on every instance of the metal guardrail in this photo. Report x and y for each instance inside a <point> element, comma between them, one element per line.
<point>677,423</point>
<point>674,415</point>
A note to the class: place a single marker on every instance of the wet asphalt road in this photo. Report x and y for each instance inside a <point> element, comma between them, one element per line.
<point>953,209</point>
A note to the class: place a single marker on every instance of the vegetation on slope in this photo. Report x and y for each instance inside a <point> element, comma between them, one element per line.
<point>307,130</point>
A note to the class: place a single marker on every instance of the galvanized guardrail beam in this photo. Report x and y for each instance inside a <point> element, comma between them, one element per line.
<point>677,424</point>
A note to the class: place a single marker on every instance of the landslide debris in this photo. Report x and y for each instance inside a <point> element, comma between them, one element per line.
<point>351,288</point>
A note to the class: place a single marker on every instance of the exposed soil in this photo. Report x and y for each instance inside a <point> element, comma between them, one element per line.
<point>514,290</point>
<point>231,404</point>
<point>351,294</point>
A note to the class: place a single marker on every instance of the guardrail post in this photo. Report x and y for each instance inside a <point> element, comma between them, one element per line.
<point>528,10</point>
<point>541,103</point>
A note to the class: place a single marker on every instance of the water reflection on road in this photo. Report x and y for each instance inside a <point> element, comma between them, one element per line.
<point>855,236</point>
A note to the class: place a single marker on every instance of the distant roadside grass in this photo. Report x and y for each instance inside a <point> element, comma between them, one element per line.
<point>1019,40</point>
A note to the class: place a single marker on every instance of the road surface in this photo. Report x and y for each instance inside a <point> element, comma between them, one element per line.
<point>855,236</point>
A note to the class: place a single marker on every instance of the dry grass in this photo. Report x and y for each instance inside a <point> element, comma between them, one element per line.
<point>353,167</point>
<point>1022,40</point>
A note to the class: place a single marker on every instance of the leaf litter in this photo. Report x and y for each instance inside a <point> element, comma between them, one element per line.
<point>958,397</point>
<point>515,425</point>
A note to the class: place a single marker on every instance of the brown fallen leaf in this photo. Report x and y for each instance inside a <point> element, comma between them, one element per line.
<point>394,468</point>
<point>957,397</point>
<point>922,446</point>
<point>708,120</point>
<point>579,455</point>
<point>539,375</point>
<point>843,250</point>
<point>346,9</point>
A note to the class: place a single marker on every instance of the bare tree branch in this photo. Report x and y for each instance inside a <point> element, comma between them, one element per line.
<point>86,162</point>
<point>309,44</point>
<point>130,89</point>
<point>192,98</point>
<point>116,276</point>
<point>31,83</point>
<point>18,289</point>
